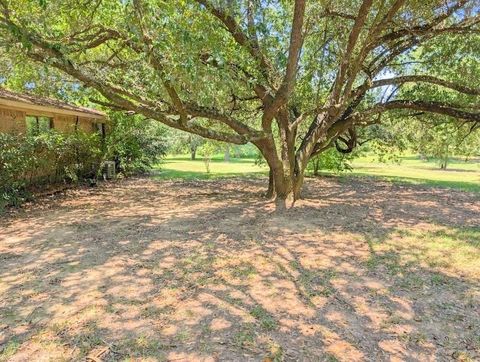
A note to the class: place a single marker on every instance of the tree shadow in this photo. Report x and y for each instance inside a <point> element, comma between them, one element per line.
<point>199,270</point>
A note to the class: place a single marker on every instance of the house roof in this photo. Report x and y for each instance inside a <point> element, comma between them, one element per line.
<point>43,105</point>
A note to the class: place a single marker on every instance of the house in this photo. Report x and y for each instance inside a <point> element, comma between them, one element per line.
<point>24,113</point>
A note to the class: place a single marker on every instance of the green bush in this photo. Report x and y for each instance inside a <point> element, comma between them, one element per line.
<point>135,144</point>
<point>47,158</point>
<point>36,160</point>
<point>14,159</point>
<point>58,157</point>
<point>330,160</point>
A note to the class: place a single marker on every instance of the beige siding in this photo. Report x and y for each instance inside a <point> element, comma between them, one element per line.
<point>12,121</point>
<point>86,124</point>
<point>64,124</point>
<point>67,124</point>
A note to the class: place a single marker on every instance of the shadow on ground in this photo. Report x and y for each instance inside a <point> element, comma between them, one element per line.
<point>359,270</point>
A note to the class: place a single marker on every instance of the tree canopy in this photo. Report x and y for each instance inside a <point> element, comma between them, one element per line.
<point>295,78</point>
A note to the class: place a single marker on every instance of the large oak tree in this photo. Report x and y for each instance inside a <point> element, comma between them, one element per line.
<point>294,77</point>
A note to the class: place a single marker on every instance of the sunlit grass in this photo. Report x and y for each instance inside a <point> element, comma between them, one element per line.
<point>452,250</point>
<point>182,167</point>
<point>411,170</point>
<point>9,350</point>
<point>459,174</point>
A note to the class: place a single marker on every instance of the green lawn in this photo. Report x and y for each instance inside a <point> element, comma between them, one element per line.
<point>459,174</point>
<point>182,167</point>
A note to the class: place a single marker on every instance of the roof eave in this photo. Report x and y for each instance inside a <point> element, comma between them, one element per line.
<point>48,110</point>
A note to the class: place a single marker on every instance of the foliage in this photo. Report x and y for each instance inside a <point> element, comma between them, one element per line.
<point>207,150</point>
<point>135,144</point>
<point>330,160</point>
<point>14,159</point>
<point>291,77</point>
<point>47,158</point>
<point>443,141</point>
<point>429,136</point>
<point>180,142</point>
<point>51,157</point>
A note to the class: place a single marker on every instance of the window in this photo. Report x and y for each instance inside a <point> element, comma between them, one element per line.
<point>37,125</point>
<point>100,128</point>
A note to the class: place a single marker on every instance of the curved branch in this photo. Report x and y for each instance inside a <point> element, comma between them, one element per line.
<point>43,51</point>
<point>431,107</point>
<point>351,43</point>
<point>426,79</point>
<point>213,114</point>
<point>420,29</point>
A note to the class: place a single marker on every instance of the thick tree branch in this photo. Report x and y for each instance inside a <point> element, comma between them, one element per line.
<point>425,79</point>
<point>351,43</point>
<point>288,83</point>
<point>424,106</point>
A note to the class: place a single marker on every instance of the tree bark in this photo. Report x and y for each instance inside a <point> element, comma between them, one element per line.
<point>271,186</point>
<point>286,187</point>
<point>316,167</point>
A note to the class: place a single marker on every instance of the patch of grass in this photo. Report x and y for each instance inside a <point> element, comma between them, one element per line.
<point>410,281</point>
<point>388,260</point>
<point>266,320</point>
<point>196,269</point>
<point>276,352</point>
<point>461,356</point>
<point>331,358</point>
<point>61,327</point>
<point>412,170</point>
<point>182,336</point>
<point>439,249</point>
<point>414,337</point>
<point>154,312</point>
<point>438,279</point>
<point>197,263</point>
<point>142,346</point>
<point>233,301</point>
<point>244,270</point>
<point>392,320</point>
<point>182,167</point>
<point>315,282</point>
<point>88,338</point>
<point>9,350</point>
<point>245,338</point>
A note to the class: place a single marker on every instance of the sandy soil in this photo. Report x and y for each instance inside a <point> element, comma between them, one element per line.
<point>186,271</point>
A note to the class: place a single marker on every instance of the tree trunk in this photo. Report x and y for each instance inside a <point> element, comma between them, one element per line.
<point>271,186</point>
<point>193,153</point>
<point>285,188</point>
<point>316,166</point>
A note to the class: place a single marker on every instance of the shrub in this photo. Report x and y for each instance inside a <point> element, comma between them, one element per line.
<point>58,157</point>
<point>47,158</point>
<point>14,161</point>
<point>330,160</point>
<point>36,160</point>
<point>207,150</point>
<point>135,144</point>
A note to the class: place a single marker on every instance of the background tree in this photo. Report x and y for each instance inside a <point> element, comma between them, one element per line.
<point>183,142</point>
<point>208,150</point>
<point>294,78</point>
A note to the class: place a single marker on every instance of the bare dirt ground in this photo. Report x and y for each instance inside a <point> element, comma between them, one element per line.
<point>183,271</point>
